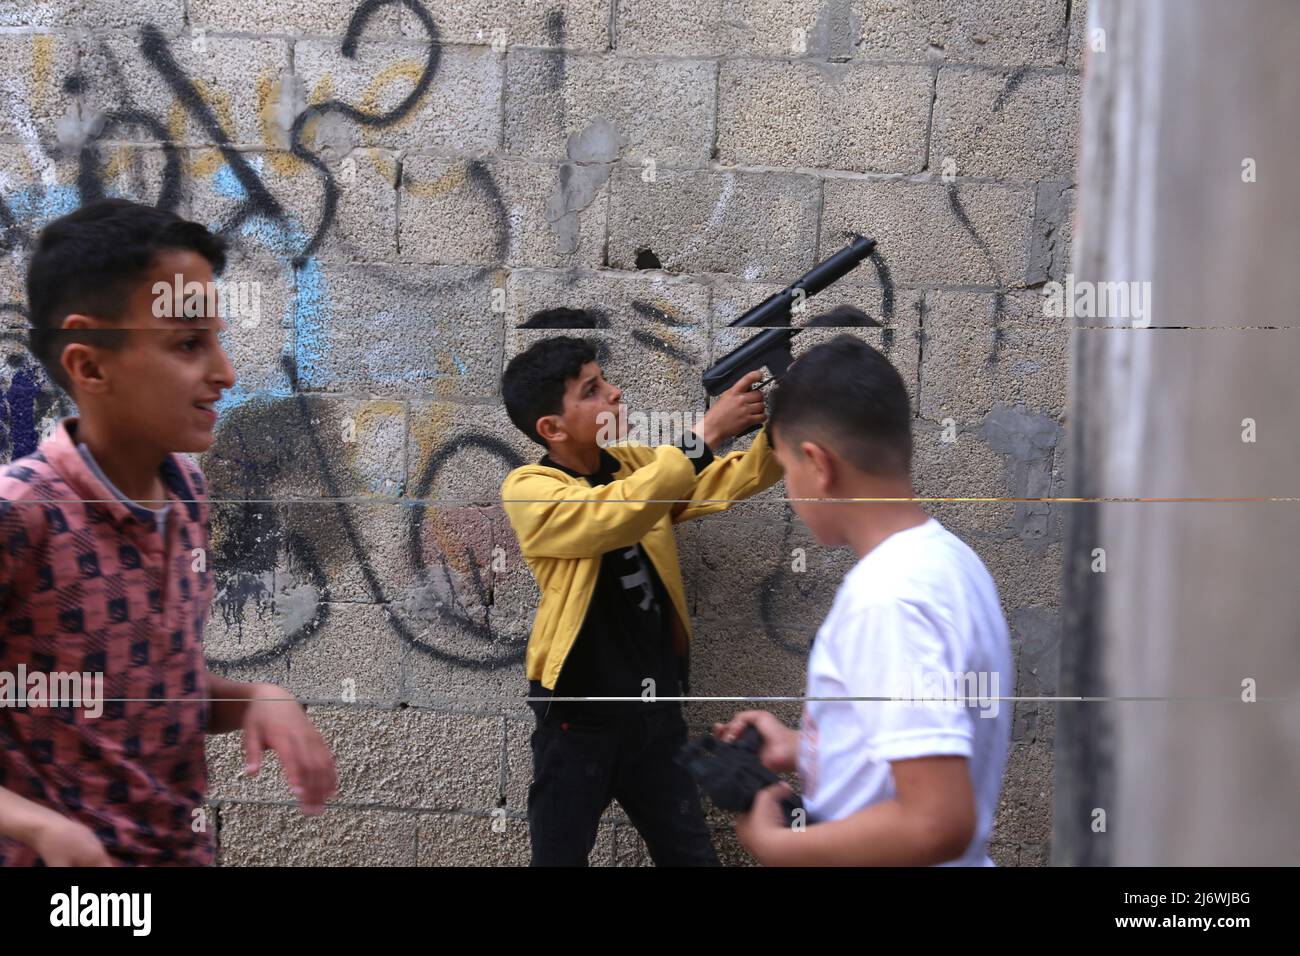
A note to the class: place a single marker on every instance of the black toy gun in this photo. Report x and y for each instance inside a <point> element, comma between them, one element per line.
<point>732,774</point>
<point>772,347</point>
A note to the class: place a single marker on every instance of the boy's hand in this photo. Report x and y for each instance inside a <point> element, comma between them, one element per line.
<point>762,830</point>
<point>281,725</point>
<point>735,410</point>
<point>780,750</point>
<point>66,842</point>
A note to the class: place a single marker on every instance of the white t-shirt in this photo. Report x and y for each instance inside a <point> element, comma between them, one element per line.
<point>917,617</point>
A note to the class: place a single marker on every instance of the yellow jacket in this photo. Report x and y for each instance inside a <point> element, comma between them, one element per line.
<point>564,525</point>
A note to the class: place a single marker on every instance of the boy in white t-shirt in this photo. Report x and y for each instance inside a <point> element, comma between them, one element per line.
<point>911,777</point>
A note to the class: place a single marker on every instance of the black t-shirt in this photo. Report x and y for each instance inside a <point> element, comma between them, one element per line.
<point>627,634</point>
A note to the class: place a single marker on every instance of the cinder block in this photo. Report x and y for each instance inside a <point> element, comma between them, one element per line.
<point>569,24</point>
<point>1015,124</point>
<point>937,232</point>
<point>629,848</point>
<point>447,839</point>
<point>363,224</point>
<point>13,293</point>
<point>263,670</point>
<point>228,781</point>
<point>1010,455</point>
<point>276,564</point>
<point>962,468</point>
<point>266,203</point>
<point>38,103</point>
<point>251,627</point>
<point>359,551</point>
<point>308,447</point>
<point>755,614</point>
<point>400,332</point>
<point>258,302</point>
<point>288,206</point>
<point>394,757</point>
<point>759,226</point>
<point>461,453</point>
<point>1003,853</point>
<point>352,652</point>
<point>982,349</point>
<point>311,17</point>
<point>232,77</point>
<point>662,109</point>
<point>460,112</point>
<point>519,757</point>
<point>829,115</point>
<point>469,614</point>
<point>676,27</point>
<point>467,212</point>
<point>1066,230</point>
<point>1025,807</point>
<point>1027,573</point>
<point>412,758</point>
<point>253,835</point>
<point>793,28</point>
<point>1011,32</point>
<point>165,14</point>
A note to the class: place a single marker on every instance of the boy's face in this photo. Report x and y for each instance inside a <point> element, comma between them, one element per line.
<point>588,399</point>
<point>803,480</point>
<point>161,386</point>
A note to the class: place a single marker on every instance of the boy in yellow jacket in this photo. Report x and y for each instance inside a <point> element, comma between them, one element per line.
<point>594,523</point>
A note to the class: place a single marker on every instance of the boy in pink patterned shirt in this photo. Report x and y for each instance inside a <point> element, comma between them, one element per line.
<point>103,562</point>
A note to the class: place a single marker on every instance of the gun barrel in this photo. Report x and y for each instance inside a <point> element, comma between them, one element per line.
<point>837,266</point>
<point>775,309</point>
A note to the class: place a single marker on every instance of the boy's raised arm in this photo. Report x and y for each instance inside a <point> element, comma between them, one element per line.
<point>557,519</point>
<point>730,479</point>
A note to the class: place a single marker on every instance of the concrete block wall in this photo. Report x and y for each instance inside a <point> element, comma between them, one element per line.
<point>406,182</point>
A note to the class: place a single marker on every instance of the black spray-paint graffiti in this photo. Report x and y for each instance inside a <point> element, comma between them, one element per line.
<point>257,534</point>
<point>254,536</point>
<point>256,530</point>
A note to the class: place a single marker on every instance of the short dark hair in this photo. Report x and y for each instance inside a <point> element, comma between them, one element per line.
<point>842,316</point>
<point>89,260</point>
<point>533,384</point>
<point>849,394</point>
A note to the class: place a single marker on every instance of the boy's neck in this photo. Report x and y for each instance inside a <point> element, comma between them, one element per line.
<point>866,525</point>
<point>585,461</point>
<point>133,469</point>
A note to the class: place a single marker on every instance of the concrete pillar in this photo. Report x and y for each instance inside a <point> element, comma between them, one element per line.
<point>1190,101</point>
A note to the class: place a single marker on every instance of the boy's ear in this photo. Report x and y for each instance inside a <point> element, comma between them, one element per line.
<point>823,465</point>
<point>550,428</point>
<point>82,361</point>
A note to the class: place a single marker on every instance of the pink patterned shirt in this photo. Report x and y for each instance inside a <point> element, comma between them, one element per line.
<point>89,584</point>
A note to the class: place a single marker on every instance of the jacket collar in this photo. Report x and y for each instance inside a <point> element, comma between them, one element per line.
<point>62,454</point>
<point>609,466</point>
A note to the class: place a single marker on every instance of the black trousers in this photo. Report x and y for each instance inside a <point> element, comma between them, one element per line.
<point>581,764</point>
